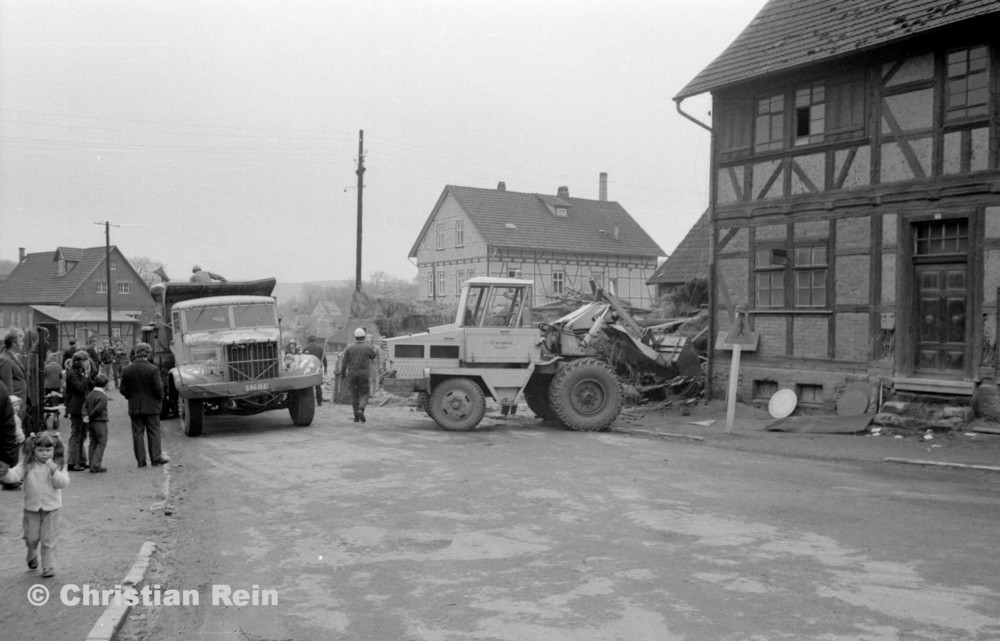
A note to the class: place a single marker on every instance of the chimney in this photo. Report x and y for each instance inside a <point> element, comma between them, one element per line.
<point>20,252</point>
<point>563,192</point>
<point>501,186</point>
<point>602,194</point>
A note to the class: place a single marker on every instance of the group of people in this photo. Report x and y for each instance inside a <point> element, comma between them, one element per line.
<point>39,462</point>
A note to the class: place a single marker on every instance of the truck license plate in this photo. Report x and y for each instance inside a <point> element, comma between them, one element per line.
<point>256,387</point>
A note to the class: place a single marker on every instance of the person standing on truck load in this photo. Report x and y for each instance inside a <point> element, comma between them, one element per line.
<point>143,387</point>
<point>198,275</point>
<point>355,369</point>
<point>314,348</point>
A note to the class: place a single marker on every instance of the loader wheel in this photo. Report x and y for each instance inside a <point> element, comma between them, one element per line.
<point>536,395</point>
<point>302,406</point>
<point>192,415</point>
<point>457,404</point>
<point>586,395</point>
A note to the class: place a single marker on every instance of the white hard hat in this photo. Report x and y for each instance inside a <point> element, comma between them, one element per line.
<point>359,332</point>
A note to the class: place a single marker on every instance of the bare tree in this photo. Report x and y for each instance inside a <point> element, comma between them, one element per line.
<point>149,270</point>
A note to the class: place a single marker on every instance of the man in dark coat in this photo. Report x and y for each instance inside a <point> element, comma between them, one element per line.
<point>313,347</point>
<point>143,387</point>
<point>8,434</point>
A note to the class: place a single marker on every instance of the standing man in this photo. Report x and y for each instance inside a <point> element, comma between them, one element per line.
<point>12,368</point>
<point>9,447</point>
<point>108,361</point>
<point>143,387</point>
<point>314,348</point>
<point>355,369</point>
<point>121,360</point>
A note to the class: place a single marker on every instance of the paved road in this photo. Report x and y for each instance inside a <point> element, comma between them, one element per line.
<point>396,530</point>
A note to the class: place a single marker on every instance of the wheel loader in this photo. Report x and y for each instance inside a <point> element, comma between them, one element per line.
<point>492,350</point>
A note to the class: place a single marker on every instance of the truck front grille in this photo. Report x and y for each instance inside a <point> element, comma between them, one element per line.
<point>252,361</point>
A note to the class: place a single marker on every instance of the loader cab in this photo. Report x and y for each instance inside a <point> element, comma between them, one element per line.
<point>495,302</point>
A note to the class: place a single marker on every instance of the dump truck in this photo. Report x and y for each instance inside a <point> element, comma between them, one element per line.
<point>492,350</point>
<point>219,350</point>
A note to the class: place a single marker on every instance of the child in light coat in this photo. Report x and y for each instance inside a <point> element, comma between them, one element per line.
<point>42,468</point>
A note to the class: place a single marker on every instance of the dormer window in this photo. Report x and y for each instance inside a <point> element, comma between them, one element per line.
<point>61,267</point>
<point>560,212</point>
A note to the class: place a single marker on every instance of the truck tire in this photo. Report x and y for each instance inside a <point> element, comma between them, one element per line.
<point>536,395</point>
<point>457,404</point>
<point>192,415</point>
<point>424,400</point>
<point>302,406</point>
<point>586,395</point>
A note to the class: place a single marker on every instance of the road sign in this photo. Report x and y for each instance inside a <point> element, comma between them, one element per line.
<point>739,334</point>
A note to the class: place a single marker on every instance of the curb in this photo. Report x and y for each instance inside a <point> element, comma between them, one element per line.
<point>964,466</point>
<point>113,618</point>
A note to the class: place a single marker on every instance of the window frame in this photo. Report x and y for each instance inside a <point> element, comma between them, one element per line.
<point>558,282</point>
<point>459,233</point>
<point>784,278</point>
<point>102,287</point>
<point>124,288</point>
<point>952,114</point>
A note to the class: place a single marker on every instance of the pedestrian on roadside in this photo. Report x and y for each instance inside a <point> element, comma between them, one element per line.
<point>108,360</point>
<point>121,360</point>
<point>95,415</point>
<point>143,387</point>
<point>355,370</point>
<point>12,368</point>
<point>93,352</point>
<point>42,469</point>
<point>9,446</point>
<point>78,386</point>
<point>70,351</point>
<point>313,347</point>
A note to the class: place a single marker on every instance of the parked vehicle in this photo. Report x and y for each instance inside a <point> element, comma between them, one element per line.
<point>492,350</point>
<point>219,348</point>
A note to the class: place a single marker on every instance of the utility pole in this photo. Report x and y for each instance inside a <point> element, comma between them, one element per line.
<point>107,266</point>
<point>361,188</point>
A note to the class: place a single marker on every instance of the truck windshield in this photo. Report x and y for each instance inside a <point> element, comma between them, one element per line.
<point>254,315</point>
<point>207,318</point>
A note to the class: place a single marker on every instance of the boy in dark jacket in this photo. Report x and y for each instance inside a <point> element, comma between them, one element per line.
<point>95,413</point>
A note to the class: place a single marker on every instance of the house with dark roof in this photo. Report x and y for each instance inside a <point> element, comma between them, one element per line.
<point>558,241</point>
<point>66,292</point>
<point>855,208</point>
<point>689,260</point>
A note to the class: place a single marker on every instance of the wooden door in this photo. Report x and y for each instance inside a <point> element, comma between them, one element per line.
<point>941,318</point>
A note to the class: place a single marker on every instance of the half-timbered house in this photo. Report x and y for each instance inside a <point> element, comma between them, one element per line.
<point>854,202</point>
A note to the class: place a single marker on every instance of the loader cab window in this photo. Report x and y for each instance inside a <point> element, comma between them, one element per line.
<point>493,306</point>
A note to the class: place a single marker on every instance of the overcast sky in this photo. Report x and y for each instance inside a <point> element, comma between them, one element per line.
<point>225,133</point>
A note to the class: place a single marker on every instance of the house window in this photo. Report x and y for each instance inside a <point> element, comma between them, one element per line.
<point>116,332</point>
<point>459,279</point>
<point>810,114</point>
<point>102,287</point>
<point>114,264</point>
<point>440,236</point>
<point>763,390</point>
<point>770,278</point>
<point>770,125</point>
<point>809,394</point>
<point>561,212</point>
<point>441,291</point>
<point>948,237</point>
<point>968,91</point>
<point>558,282</point>
<point>459,233</point>
<point>124,288</point>
<point>61,267</point>
<point>810,276</point>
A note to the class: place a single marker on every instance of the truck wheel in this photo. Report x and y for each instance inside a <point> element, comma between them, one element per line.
<point>536,395</point>
<point>192,413</point>
<point>302,406</point>
<point>457,404</point>
<point>586,395</point>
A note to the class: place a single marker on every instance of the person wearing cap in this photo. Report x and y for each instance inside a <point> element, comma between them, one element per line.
<point>198,275</point>
<point>355,370</point>
<point>143,387</point>
<point>313,347</point>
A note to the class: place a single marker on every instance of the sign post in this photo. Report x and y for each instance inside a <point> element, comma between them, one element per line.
<point>739,336</point>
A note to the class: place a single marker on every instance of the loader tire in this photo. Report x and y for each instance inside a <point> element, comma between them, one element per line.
<point>457,404</point>
<point>586,395</point>
<point>536,395</point>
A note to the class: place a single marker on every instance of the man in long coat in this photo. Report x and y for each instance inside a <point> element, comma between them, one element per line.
<point>143,387</point>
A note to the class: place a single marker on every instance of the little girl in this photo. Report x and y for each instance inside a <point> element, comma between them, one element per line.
<point>43,470</point>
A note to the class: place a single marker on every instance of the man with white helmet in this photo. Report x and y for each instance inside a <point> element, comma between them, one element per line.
<point>355,371</point>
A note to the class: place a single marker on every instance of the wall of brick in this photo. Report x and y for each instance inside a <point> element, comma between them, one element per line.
<point>854,233</point>
<point>809,337</point>
<point>773,332</point>
<point>812,229</point>
<point>853,337</point>
<point>853,278</point>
